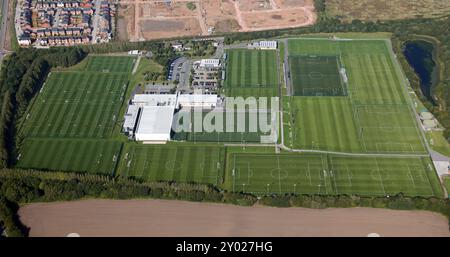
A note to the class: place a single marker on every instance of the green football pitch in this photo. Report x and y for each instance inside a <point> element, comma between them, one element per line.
<point>122,64</point>
<point>176,162</point>
<point>69,124</point>
<point>374,117</point>
<point>331,175</point>
<point>225,126</point>
<point>92,156</point>
<point>251,73</point>
<point>314,75</point>
<point>75,104</point>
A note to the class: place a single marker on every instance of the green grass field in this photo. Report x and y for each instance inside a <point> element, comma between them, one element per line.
<point>316,76</point>
<point>251,73</point>
<point>74,123</point>
<point>174,162</point>
<point>384,176</point>
<point>374,117</point>
<point>92,156</point>
<point>321,123</point>
<point>319,174</point>
<point>76,104</point>
<point>247,131</point>
<point>447,184</point>
<point>122,64</point>
<point>69,124</point>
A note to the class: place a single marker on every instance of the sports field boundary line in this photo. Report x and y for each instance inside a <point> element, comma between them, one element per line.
<point>354,154</point>
<point>337,40</point>
<point>379,175</point>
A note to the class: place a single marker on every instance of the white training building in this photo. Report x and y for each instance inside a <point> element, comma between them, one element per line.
<point>197,101</point>
<point>263,45</point>
<point>155,124</point>
<point>209,63</point>
<point>149,116</point>
<point>268,45</point>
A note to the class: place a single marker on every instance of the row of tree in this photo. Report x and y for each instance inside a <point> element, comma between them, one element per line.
<point>10,224</point>
<point>23,186</point>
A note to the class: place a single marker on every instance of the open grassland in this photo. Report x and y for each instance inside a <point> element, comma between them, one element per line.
<point>146,66</point>
<point>251,73</point>
<point>76,104</point>
<point>174,162</point>
<point>321,174</point>
<point>374,117</point>
<point>386,9</point>
<point>92,156</point>
<point>437,142</point>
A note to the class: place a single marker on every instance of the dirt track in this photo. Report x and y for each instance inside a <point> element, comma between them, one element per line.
<point>175,218</point>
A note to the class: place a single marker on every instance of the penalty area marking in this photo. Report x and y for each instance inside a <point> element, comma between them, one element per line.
<point>315,75</point>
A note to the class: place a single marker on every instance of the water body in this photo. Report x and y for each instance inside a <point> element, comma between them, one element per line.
<point>419,54</point>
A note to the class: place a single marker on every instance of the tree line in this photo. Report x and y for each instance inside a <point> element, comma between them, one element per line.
<point>25,186</point>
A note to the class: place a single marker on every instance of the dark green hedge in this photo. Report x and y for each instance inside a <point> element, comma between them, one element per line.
<point>23,186</point>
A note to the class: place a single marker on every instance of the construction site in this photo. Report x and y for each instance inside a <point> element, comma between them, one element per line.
<point>141,20</point>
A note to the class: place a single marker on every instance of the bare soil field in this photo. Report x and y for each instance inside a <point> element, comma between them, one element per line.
<point>155,10</point>
<point>275,19</point>
<point>125,25</point>
<point>152,29</point>
<point>214,16</point>
<point>254,5</point>
<point>387,9</point>
<point>176,218</point>
<point>293,3</point>
<point>221,15</point>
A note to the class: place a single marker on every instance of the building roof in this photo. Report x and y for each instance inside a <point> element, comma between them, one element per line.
<point>268,44</point>
<point>426,115</point>
<point>130,116</point>
<point>429,123</point>
<point>197,100</point>
<point>155,100</point>
<point>155,123</point>
<point>210,63</point>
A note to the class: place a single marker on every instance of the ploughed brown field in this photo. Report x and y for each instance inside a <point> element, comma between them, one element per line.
<point>177,218</point>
